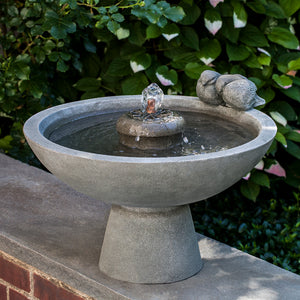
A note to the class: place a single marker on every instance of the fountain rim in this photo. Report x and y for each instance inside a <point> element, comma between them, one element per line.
<point>33,132</point>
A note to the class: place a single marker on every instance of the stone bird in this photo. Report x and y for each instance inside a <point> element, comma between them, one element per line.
<point>206,89</point>
<point>232,90</point>
<point>241,95</point>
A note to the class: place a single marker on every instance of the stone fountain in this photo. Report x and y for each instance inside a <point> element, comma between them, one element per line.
<point>157,163</point>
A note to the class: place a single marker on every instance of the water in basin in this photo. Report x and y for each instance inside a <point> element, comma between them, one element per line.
<point>202,134</point>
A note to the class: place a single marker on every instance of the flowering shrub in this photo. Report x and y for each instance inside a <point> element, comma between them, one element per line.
<point>56,51</point>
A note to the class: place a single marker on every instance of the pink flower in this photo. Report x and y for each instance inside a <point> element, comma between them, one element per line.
<point>214,3</point>
<point>277,170</point>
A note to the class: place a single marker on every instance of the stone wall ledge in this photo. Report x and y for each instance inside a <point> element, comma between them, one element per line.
<point>51,236</point>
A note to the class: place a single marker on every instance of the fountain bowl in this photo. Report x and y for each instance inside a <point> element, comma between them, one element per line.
<point>150,236</point>
<point>147,181</point>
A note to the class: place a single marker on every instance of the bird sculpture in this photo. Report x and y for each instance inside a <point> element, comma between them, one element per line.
<point>232,90</point>
<point>206,89</point>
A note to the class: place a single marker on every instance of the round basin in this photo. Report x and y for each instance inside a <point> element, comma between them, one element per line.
<point>147,181</point>
<point>150,236</point>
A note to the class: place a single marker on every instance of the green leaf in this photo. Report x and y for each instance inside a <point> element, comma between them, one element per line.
<point>252,36</point>
<point>113,9</point>
<point>61,65</point>
<point>289,6</point>
<point>274,10</point>
<point>285,109</point>
<point>194,70</point>
<point>137,34</point>
<point>257,7</point>
<point>119,67</point>
<point>213,21</point>
<point>170,31</point>
<point>293,149</point>
<point>65,56</point>
<point>229,32</point>
<point>293,136</point>
<point>118,17</point>
<point>209,50</point>
<point>294,64</point>
<point>153,31</point>
<point>21,69</point>
<point>140,62</point>
<point>293,92</point>
<point>54,56</point>
<point>283,37</point>
<point>264,59</point>
<point>48,46</point>
<point>32,86</point>
<point>282,80</point>
<point>165,76</point>
<point>242,228</point>
<point>250,190</point>
<point>122,33</point>
<point>252,62</point>
<point>237,52</point>
<point>239,14</point>
<point>113,26</point>
<point>89,46</point>
<point>134,85</point>
<point>279,137</point>
<point>268,94</point>
<point>279,118</point>
<point>192,13</point>
<point>71,3</point>
<point>174,13</point>
<point>260,178</point>
<point>12,11</point>
<point>88,84</point>
<point>59,26</point>
<point>5,142</point>
<point>189,37</point>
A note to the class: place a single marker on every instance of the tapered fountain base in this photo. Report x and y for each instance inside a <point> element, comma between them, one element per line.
<point>150,245</point>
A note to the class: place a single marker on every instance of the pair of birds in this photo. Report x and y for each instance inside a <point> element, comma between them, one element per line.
<point>232,90</point>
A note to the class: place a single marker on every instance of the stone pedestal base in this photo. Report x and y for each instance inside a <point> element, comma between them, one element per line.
<point>150,245</point>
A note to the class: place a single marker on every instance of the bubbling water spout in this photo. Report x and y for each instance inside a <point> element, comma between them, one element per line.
<point>152,97</point>
<point>151,127</point>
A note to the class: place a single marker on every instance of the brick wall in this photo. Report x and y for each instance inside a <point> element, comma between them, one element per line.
<point>19,281</point>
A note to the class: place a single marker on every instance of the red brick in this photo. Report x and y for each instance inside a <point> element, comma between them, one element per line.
<point>46,290</point>
<point>14,295</point>
<point>14,274</point>
<point>3,294</point>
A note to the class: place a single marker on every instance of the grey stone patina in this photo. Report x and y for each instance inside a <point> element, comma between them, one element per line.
<point>170,181</point>
<point>148,182</point>
<point>161,237</point>
<point>232,90</point>
<point>48,225</point>
<point>161,132</point>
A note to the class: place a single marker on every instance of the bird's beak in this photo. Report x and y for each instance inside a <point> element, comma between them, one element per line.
<point>259,101</point>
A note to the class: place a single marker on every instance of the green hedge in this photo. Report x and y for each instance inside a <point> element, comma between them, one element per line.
<point>56,51</point>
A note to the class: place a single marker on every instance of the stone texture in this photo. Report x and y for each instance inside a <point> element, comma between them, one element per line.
<point>169,181</point>
<point>150,245</point>
<point>55,229</point>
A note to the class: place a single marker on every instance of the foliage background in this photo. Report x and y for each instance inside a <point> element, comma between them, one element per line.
<point>56,51</point>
